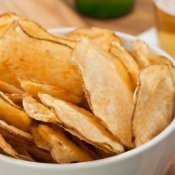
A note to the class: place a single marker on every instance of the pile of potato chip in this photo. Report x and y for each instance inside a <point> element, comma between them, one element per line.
<point>78,97</point>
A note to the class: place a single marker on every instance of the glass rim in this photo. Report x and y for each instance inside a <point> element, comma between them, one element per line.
<point>162,7</point>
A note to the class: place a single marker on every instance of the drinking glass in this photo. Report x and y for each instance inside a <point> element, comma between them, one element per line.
<point>165,24</point>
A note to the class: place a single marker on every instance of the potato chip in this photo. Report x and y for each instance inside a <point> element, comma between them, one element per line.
<point>90,149</point>
<point>23,143</point>
<point>20,149</point>
<point>154,108</point>
<point>62,149</point>
<point>14,115</point>
<point>126,58</point>
<point>38,139</point>
<point>7,18</point>
<point>9,88</point>
<point>5,21</point>
<point>16,98</point>
<point>47,80</point>
<point>34,87</point>
<point>35,30</point>
<point>102,37</point>
<point>172,70</point>
<point>40,155</point>
<point>124,74</point>
<point>38,111</point>
<point>79,122</point>
<point>10,151</point>
<point>29,149</point>
<point>13,133</point>
<point>49,61</point>
<point>32,28</point>
<point>42,143</point>
<point>145,57</point>
<point>108,95</point>
<point>8,100</point>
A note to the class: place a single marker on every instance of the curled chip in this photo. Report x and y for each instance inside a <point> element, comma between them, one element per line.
<point>109,96</point>
<point>9,88</point>
<point>38,111</point>
<point>62,149</point>
<point>79,122</point>
<point>8,100</point>
<point>13,133</point>
<point>40,155</point>
<point>154,108</point>
<point>90,149</point>
<point>5,21</point>
<point>34,87</point>
<point>36,31</point>
<point>7,149</point>
<point>50,61</point>
<point>145,57</point>
<point>126,58</point>
<point>38,139</point>
<point>31,28</point>
<point>102,37</point>
<point>22,142</point>
<point>14,115</point>
<point>16,98</point>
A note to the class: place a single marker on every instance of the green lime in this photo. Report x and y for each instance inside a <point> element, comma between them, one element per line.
<point>104,9</point>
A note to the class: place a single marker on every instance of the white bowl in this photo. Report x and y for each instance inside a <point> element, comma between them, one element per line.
<point>152,158</point>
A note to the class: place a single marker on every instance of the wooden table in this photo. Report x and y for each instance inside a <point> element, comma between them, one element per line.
<point>61,13</point>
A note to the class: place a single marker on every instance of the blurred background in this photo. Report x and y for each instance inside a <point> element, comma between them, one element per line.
<point>63,13</point>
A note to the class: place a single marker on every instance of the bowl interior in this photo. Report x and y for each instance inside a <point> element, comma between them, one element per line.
<point>126,39</point>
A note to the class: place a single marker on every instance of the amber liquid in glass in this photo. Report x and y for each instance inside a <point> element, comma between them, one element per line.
<point>165,24</point>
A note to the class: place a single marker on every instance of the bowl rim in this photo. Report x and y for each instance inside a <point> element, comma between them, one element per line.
<point>117,158</point>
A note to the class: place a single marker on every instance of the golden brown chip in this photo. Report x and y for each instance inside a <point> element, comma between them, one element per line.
<point>7,149</point>
<point>90,149</point>
<point>13,133</point>
<point>154,108</point>
<point>82,124</point>
<point>8,100</point>
<point>124,74</point>
<point>126,58</point>
<point>109,96</point>
<point>5,21</point>
<point>32,28</point>
<point>16,98</point>
<point>23,143</point>
<point>38,111</point>
<point>103,37</point>
<point>145,57</point>
<point>172,70</point>
<point>13,115</point>
<point>34,87</point>
<point>62,149</point>
<point>37,31</point>
<point>30,150</point>
<point>38,139</point>
<point>20,149</point>
<point>40,155</point>
<point>9,88</point>
<point>8,17</point>
<point>25,57</point>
